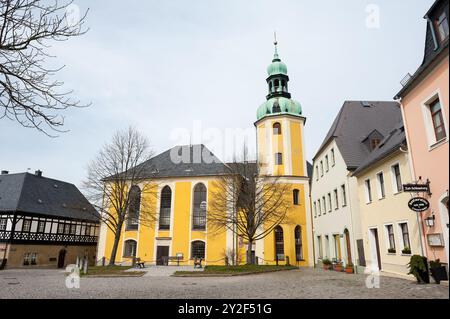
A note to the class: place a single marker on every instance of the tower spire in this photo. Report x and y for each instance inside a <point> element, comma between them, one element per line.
<point>276,57</point>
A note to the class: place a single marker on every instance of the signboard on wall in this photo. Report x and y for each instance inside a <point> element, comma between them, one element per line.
<point>416,188</point>
<point>435,240</point>
<point>419,204</point>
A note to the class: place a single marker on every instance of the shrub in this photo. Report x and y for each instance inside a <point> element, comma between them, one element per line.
<point>326,261</point>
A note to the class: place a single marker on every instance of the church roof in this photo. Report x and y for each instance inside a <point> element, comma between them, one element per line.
<point>184,161</point>
<point>277,106</point>
<point>34,194</point>
<point>354,122</point>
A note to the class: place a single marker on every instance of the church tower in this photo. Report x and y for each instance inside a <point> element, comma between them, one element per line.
<point>280,126</point>
<point>281,155</point>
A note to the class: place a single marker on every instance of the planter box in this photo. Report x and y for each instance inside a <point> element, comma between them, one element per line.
<point>338,268</point>
<point>439,274</point>
<point>349,270</point>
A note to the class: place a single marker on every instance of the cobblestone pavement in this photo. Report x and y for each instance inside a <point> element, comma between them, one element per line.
<point>302,283</point>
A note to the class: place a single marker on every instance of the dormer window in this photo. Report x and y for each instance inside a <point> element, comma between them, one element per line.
<point>442,26</point>
<point>277,129</point>
<point>374,143</point>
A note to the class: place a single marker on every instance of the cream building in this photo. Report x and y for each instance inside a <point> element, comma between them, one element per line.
<point>391,231</point>
<point>357,129</point>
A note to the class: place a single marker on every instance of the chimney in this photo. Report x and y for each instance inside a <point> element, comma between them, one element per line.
<point>5,172</point>
<point>38,173</point>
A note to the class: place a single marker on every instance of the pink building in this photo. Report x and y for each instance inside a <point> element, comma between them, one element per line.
<point>424,99</point>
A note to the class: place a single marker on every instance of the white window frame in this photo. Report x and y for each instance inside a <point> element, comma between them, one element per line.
<point>320,207</point>
<point>315,209</point>
<point>333,157</point>
<point>368,190</point>
<point>321,168</point>
<point>3,223</point>
<point>327,164</point>
<point>386,236</point>
<point>428,121</point>
<point>330,203</point>
<point>395,191</point>
<point>324,205</point>
<point>344,195</point>
<point>379,190</point>
<point>400,235</point>
<point>336,198</point>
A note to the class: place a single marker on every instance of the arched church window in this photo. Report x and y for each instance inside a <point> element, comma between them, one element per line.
<point>199,209</point>
<point>279,243</point>
<point>165,207</point>
<point>198,249</point>
<point>134,197</point>
<point>298,243</point>
<point>129,249</point>
<point>276,128</point>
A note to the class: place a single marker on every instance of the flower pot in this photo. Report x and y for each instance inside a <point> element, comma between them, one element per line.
<point>349,270</point>
<point>338,267</point>
<point>439,273</point>
<point>326,267</point>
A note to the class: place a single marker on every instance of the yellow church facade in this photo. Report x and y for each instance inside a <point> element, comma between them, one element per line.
<point>179,233</point>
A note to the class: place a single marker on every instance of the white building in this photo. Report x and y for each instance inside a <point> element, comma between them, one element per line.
<point>357,129</point>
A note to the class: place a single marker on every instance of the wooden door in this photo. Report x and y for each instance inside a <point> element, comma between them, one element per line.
<point>61,258</point>
<point>349,250</point>
<point>162,255</point>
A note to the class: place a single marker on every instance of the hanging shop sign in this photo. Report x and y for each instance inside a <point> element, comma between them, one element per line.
<point>419,204</point>
<point>416,188</point>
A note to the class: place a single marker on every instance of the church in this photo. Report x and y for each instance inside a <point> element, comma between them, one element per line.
<point>180,232</point>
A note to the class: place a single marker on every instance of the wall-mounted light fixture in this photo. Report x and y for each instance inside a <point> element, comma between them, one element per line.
<point>429,221</point>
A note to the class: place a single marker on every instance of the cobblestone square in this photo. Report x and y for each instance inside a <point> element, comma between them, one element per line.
<point>294,284</point>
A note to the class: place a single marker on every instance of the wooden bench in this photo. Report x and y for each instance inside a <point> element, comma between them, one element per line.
<point>139,263</point>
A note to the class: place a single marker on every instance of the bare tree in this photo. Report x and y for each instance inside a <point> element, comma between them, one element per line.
<point>28,92</point>
<point>119,184</point>
<point>248,204</point>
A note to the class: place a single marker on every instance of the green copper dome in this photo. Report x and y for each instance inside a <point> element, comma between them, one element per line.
<point>279,105</point>
<point>277,67</point>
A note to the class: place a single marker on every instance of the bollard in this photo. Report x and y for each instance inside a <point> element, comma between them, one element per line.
<point>78,262</point>
<point>133,262</point>
<point>103,261</point>
<point>287,261</point>
<point>85,266</point>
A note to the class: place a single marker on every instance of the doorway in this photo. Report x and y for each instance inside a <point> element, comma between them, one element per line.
<point>349,250</point>
<point>61,258</point>
<point>376,256</point>
<point>162,255</point>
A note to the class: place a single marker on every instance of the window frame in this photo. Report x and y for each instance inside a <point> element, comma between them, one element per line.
<point>324,205</point>
<point>395,181</point>
<point>336,198</point>
<point>344,195</point>
<point>192,256</point>
<point>330,204</point>
<point>298,243</point>
<point>402,235</point>
<point>333,157</point>
<point>438,23</point>
<point>164,217</point>
<point>296,196</point>
<point>200,214</point>
<point>428,121</point>
<point>390,236</point>
<point>441,119</point>
<point>3,223</point>
<point>327,164</point>
<point>277,126</point>
<point>132,223</point>
<point>381,185</point>
<point>368,190</point>
<point>125,252</point>
<point>278,158</point>
<point>279,243</point>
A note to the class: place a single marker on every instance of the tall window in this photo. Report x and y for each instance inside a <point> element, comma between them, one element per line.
<point>330,205</point>
<point>199,209</point>
<point>3,222</point>
<point>134,197</point>
<point>438,120</point>
<point>380,178</point>
<point>277,129</point>
<point>278,158</point>
<point>397,178</point>
<point>319,245</point>
<point>317,173</point>
<point>198,249</point>
<point>165,208</point>
<point>368,191</point>
<point>391,237</point>
<point>298,243</point>
<point>26,226</point>
<point>333,160</point>
<point>319,206</point>
<point>60,228</point>
<point>279,243</point>
<point>442,26</point>
<point>405,235</point>
<point>321,168</point>
<point>295,194</point>
<point>344,196</point>
<point>129,249</point>
<point>41,226</point>
<point>324,205</point>
<point>315,209</point>
<point>336,199</point>
<point>327,165</point>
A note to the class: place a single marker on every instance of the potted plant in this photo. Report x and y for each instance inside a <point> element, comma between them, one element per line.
<point>418,267</point>
<point>392,250</point>
<point>338,266</point>
<point>349,268</point>
<point>327,264</point>
<point>406,251</point>
<point>438,272</point>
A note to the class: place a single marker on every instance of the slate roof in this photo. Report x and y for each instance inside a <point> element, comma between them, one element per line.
<point>431,53</point>
<point>29,193</point>
<point>388,145</point>
<point>184,161</point>
<point>355,122</point>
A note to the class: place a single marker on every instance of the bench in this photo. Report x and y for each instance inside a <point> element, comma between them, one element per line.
<point>198,262</point>
<point>139,263</point>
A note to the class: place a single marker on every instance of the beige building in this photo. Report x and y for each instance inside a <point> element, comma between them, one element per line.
<point>391,231</point>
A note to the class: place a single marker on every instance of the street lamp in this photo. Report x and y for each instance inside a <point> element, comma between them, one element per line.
<point>429,221</point>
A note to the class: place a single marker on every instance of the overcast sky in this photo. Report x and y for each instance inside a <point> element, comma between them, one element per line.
<point>163,66</point>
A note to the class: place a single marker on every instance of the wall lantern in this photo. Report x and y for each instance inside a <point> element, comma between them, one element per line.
<point>429,221</point>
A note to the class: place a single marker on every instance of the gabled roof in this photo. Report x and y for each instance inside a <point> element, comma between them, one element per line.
<point>432,54</point>
<point>184,161</point>
<point>389,145</point>
<point>29,193</point>
<point>354,122</point>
